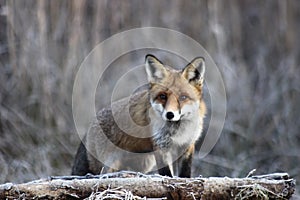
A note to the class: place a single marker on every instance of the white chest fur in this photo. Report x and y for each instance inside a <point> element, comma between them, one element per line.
<point>188,132</point>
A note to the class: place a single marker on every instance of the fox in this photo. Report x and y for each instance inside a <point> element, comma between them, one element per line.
<point>155,130</point>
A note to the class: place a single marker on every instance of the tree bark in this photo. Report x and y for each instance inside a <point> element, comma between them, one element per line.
<point>130,185</point>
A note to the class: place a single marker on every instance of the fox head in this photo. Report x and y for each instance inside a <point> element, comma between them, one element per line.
<point>175,94</point>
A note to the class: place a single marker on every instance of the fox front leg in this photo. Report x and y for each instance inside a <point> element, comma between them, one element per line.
<point>186,162</point>
<point>162,163</point>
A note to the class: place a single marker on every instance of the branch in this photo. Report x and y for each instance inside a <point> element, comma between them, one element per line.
<point>131,185</point>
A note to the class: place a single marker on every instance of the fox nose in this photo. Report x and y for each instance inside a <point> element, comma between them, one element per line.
<point>170,115</point>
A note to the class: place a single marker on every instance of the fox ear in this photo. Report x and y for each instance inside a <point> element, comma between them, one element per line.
<point>154,68</point>
<point>194,71</point>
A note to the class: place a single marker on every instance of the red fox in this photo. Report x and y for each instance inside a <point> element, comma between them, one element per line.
<point>169,115</point>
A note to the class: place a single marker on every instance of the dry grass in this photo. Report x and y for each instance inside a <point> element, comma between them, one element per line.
<point>255,45</point>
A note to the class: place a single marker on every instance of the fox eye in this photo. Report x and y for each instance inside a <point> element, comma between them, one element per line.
<point>162,96</point>
<point>183,97</point>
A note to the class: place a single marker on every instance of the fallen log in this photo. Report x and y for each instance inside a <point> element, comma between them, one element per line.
<point>131,185</point>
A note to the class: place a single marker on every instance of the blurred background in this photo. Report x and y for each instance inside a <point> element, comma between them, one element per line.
<point>255,44</point>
